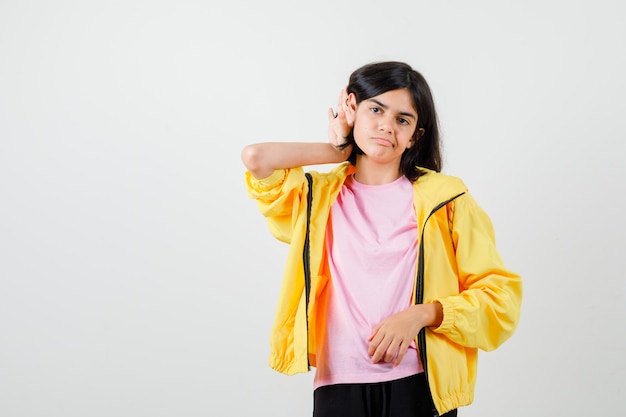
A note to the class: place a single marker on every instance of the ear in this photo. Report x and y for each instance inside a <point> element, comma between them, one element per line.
<point>419,134</point>
<point>350,109</point>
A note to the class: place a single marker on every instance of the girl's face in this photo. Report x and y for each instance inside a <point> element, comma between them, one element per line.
<point>384,125</point>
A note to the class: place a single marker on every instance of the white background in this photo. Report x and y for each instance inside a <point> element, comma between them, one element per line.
<point>138,279</point>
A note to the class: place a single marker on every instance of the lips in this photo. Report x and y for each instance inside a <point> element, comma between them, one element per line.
<point>383,141</point>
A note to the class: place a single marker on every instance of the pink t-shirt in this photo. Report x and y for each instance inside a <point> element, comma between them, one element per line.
<point>372,249</point>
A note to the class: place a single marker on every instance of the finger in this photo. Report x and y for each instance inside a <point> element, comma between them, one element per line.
<point>401,352</point>
<point>342,93</point>
<point>381,350</point>
<point>391,351</point>
<point>343,97</point>
<point>331,114</point>
<point>374,332</point>
<point>378,354</point>
<point>374,343</point>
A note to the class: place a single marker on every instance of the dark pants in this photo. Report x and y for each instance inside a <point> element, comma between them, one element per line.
<point>406,397</point>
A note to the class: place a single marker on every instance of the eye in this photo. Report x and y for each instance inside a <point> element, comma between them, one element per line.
<point>403,121</point>
<point>375,109</point>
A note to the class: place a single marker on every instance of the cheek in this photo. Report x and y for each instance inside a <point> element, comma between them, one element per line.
<point>410,140</point>
<point>359,126</point>
<point>407,131</point>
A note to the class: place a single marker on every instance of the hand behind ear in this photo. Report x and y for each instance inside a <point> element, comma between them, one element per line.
<point>340,123</point>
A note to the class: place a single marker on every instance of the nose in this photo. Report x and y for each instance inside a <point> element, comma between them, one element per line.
<point>385,124</point>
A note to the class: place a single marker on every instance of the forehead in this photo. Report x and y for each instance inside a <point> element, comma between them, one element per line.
<point>397,101</point>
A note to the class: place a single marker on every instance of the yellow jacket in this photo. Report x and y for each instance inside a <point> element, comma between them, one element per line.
<point>458,262</point>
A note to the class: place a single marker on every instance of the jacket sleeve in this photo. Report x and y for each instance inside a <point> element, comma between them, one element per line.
<point>486,311</point>
<point>278,198</point>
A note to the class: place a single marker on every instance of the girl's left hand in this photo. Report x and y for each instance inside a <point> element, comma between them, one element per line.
<point>392,337</point>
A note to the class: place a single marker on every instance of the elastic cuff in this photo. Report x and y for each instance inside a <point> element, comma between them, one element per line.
<point>448,316</point>
<point>266,183</point>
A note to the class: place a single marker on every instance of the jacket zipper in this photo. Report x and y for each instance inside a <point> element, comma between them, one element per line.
<point>419,292</point>
<point>306,260</point>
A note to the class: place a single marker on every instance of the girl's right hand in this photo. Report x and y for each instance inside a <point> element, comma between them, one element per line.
<point>338,126</point>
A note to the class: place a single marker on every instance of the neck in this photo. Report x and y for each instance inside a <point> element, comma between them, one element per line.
<point>376,174</point>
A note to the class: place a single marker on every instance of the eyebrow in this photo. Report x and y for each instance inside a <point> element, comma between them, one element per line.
<point>407,114</point>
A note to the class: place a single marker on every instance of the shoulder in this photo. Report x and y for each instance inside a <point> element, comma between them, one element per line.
<point>336,176</point>
<point>339,172</point>
<point>438,186</point>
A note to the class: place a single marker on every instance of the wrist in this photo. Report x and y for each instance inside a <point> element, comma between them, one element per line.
<point>430,314</point>
<point>436,310</point>
<point>342,151</point>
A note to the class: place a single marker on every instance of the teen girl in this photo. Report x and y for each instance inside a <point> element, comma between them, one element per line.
<point>393,280</point>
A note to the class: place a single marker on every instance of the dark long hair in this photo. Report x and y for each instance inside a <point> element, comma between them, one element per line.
<point>377,78</point>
